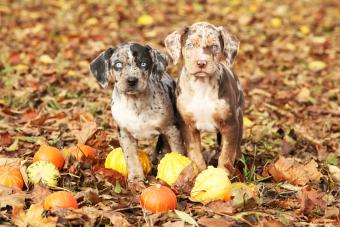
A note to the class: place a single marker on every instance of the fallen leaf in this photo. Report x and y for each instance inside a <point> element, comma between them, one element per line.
<point>303,95</point>
<point>86,132</point>
<point>6,161</point>
<point>221,207</point>
<point>276,22</point>
<point>316,66</point>
<point>32,217</point>
<point>117,219</point>
<point>309,199</point>
<point>11,197</point>
<point>186,217</point>
<point>186,180</point>
<point>288,169</point>
<point>247,122</point>
<point>5,139</point>
<point>243,195</point>
<point>112,176</point>
<point>268,222</point>
<point>45,59</point>
<point>335,173</point>
<point>174,224</point>
<point>332,212</point>
<point>145,20</point>
<point>304,29</point>
<point>39,193</point>
<point>213,222</point>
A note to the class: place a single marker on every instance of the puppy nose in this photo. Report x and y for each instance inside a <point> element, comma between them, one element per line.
<point>201,63</point>
<point>132,81</point>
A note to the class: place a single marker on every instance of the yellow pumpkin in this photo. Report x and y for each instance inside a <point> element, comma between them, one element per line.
<point>171,166</point>
<point>210,185</point>
<point>115,160</point>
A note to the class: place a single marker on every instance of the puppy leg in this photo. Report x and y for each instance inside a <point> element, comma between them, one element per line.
<point>193,145</point>
<point>230,147</point>
<point>173,136</point>
<point>162,147</point>
<point>130,148</point>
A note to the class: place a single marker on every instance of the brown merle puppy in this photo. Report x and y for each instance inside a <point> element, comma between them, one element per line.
<point>143,98</point>
<point>209,94</point>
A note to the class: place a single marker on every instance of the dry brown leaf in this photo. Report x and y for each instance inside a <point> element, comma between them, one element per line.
<point>117,219</point>
<point>335,173</point>
<point>267,222</point>
<point>32,217</point>
<point>174,224</point>
<point>5,161</point>
<point>310,199</point>
<point>212,222</point>
<point>221,207</point>
<point>186,180</point>
<point>86,132</point>
<point>39,193</point>
<point>288,169</point>
<point>11,197</point>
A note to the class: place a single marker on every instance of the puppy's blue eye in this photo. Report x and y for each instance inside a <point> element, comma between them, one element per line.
<point>118,66</point>
<point>143,64</point>
<point>214,47</point>
<point>190,45</point>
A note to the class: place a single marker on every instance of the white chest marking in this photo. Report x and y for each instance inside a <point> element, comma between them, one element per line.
<point>140,125</point>
<point>203,105</point>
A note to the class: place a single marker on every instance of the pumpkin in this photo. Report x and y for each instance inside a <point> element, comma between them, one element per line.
<point>43,171</point>
<point>80,150</point>
<point>210,185</point>
<point>171,166</point>
<point>115,160</point>
<point>158,198</point>
<point>51,154</point>
<point>60,199</point>
<point>11,177</point>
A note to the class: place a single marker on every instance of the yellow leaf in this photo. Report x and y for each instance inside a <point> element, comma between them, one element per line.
<point>71,73</point>
<point>247,122</point>
<point>304,95</point>
<point>145,20</point>
<point>290,46</point>
<point>91,21</point>
<point>316,65</point>
<point>21,67</point>
<point>304,29</point>
<point>46,59</point>
<point>276,22</point>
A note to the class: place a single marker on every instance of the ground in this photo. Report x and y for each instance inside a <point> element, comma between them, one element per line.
<point>288,64</point>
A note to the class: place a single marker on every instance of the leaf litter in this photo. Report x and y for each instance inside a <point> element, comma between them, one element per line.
<point>287,65</point>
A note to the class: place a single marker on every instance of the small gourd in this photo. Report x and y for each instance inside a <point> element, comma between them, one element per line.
<point>171,166</point>
<point>115,160</point>
<point>210,185</point>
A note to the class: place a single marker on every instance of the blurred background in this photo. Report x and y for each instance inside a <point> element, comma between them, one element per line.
<point>288,64</point>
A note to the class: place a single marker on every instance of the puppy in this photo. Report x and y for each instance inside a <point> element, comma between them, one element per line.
<point>143,99</point>
<point>209,94</point>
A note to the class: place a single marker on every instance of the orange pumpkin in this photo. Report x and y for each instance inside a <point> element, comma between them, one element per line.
<point>158,198</point>
<point>79,150</point>
<point>51,154</point>
<point>60,199</point>
<point>11,177</point>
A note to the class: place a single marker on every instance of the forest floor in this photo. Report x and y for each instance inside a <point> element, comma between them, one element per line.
<point>289,67</point>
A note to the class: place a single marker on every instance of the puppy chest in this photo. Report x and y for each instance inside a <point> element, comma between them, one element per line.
<point>206,112</point>
<point>142,125</point>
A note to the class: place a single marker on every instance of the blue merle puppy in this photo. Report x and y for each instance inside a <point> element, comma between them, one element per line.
<point>143,99</point>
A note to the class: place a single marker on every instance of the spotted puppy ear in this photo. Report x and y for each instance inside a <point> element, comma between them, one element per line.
<point>100,67</point>
<point>173,44</point>
<point>230,46</point>
<point>160,60</point>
